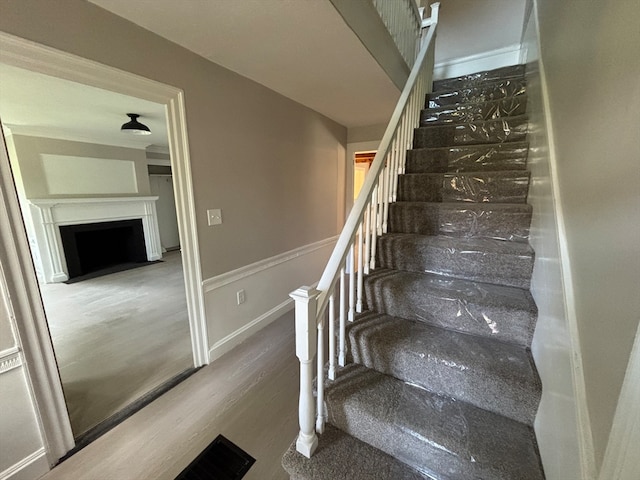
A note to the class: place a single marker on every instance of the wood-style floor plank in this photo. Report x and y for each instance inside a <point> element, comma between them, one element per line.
<point>249,395</point>
<point>117,337</point>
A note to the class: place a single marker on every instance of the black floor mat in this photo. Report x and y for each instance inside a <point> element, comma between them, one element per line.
<point>221,460</point>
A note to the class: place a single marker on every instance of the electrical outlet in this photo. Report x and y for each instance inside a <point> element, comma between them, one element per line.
<point>240,296</point>
<point>214,217</point>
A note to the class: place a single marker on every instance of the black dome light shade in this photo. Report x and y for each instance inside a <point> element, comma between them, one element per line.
<point>134,126</point>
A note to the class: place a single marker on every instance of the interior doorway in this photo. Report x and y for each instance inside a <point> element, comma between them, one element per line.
<point>361,163</point>
<point>33,328</point>
<point>115,306</point>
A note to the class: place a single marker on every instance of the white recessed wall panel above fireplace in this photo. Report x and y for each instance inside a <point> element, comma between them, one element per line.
<point>48,214</point>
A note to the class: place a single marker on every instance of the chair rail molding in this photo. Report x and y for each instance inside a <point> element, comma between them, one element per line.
<point>267,283</point>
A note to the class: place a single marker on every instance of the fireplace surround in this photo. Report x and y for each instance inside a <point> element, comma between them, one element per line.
<point>51,216</point>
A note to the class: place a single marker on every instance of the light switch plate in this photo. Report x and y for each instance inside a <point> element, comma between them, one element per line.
<point>214,216</point>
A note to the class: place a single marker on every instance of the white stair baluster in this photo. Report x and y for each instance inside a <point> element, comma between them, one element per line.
<point>385,198</point>
<point>379,206</point>
<point>360,269</point>
<point>352,284</point>
<point>367,238</point>
<point>320,380</point>
<point>332,339</point>
<point>342,351</point>
<point>305,313</point>
<point>374,229</point>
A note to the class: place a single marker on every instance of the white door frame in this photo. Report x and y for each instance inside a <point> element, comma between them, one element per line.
<point>352,149</point>
<point>34,332</point>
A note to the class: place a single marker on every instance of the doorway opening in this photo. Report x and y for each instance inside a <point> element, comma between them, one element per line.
<point>44,215</point>
<point>361,163</point>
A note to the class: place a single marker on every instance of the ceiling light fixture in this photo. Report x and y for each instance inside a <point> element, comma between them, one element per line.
<point>134,126</point>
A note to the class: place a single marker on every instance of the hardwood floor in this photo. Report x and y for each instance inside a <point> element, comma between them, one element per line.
<point>117,337</point>
<point>249,395</point>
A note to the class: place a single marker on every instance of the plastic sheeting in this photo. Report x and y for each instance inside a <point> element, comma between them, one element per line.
<point>492,131</point>
<point>477,259</point>
<point>476,79</point>
<point>489,374</point>
<point>508,129</point>
<point>505,313</point>
<point>499,157</point>
<point>503,156</point>
<point>441,437</point>
<point>498,221</point>
<point>475,111</point>
<point>480,187</point>
<point>503,89</point>
<point>499,187</point>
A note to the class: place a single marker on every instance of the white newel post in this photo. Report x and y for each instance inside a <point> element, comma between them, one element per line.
<point>306,330</point>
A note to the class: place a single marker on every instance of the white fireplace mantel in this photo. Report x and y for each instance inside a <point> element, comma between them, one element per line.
<point>48,214</point>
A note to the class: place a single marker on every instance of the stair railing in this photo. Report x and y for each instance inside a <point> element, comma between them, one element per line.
<point>404,22</point>
<point>355,252</point>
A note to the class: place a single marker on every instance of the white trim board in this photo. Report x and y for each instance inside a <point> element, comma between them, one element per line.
<point>10,359</point>
<point>227,343</point>
<point>251,269</point>
<point>501,57</point>
<point>266,286</point>
<point>352,149</point>
<point>587,455</point>
<point>38,351</point>
<point>33,466</point>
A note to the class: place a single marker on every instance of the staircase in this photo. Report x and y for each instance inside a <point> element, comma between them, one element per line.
<point>440,382</point>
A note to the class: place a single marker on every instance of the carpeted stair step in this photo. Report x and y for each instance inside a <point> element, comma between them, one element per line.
<point>477,259</point>
<point>504,221</point>
<point>509,129</point>
<point>504,313</point>
<point>479,187</point>
<point>494,90</point>
<point>472,112</point>
<point>439,436</point>
<point>480,78</point>
<point>342,457</point>
<point>490,374</point>
<point>469,158</point>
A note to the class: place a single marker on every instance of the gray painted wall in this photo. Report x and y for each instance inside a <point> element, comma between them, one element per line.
<point>589,49</point>
<point>267,161</point>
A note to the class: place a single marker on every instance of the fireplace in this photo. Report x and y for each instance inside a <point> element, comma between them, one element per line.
<point>99,224</point>
<point>91,247</point>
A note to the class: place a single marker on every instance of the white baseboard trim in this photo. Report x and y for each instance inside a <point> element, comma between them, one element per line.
<point>230,341</point>
<point>33,466</point>
<point>500,57</point>
<point>264,287</point>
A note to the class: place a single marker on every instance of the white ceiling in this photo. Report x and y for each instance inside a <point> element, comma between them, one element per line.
<point>41,105</point>
<point>299,48</point>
